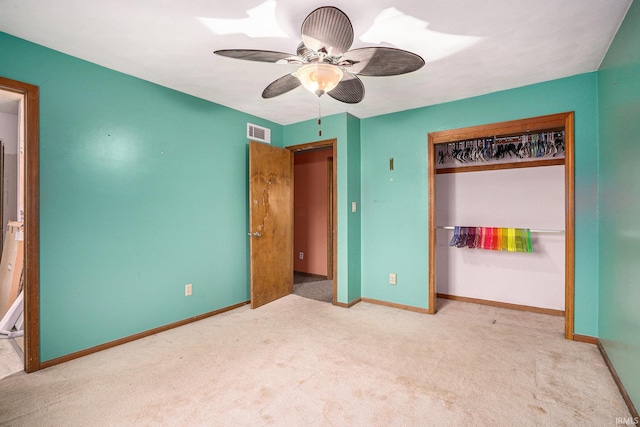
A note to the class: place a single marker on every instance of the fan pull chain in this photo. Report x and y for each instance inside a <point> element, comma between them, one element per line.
<point>319,119</point>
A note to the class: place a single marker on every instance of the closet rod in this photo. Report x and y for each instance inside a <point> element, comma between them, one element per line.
<point>532,230</point>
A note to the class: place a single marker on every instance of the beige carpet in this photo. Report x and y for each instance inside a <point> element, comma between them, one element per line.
<point>299,362</point>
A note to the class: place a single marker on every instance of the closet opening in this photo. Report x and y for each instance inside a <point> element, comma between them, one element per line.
<point>501,215</point>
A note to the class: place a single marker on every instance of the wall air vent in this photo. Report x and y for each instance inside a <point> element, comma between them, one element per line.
<point>258,133</point>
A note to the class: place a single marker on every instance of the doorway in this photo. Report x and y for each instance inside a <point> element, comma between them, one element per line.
<point>315,243</point>
<point>11,341</point>
<point>28,208</point>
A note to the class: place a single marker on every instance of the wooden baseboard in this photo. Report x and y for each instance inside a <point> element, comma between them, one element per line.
<point>394,305</point>
<point>351,304</point>
<point>586,339</point>
<point>137,336</point>
<point>503,305</point>
<point>623,391</point>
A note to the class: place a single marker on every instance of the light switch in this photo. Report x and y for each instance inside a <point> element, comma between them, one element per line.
<point>353,207</point>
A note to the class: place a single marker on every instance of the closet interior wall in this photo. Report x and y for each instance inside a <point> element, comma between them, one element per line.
<point>519,198</point>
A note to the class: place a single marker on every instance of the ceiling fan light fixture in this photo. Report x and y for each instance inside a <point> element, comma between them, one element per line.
<point>319,78</point>
<point>324,55</point>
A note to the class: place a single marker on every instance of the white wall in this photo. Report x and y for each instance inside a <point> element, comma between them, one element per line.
<point>9,137</point>
<point>519,198</point>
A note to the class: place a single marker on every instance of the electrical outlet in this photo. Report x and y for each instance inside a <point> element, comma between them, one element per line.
<point>187,289</point>
<point>301,255</point>
<point>393,279</point>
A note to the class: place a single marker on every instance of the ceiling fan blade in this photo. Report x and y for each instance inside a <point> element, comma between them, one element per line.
<point>382,61</point>
<point>253,55</point>
<point>327,30</point>
<point>282,85</point>
<point>349,90</point>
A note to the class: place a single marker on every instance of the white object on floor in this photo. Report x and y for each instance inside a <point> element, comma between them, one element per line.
<point>13,319</point>
<point>11,362</point>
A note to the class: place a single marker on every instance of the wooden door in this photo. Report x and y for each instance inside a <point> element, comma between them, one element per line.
<point>270,222</point>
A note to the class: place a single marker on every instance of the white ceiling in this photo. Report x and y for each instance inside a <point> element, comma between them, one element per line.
<point>470,47</point>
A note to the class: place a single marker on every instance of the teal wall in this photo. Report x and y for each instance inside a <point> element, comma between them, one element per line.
<point>345,129</point>
<point>142,190</point>
<point>394,204</point>
<point>619,204</point>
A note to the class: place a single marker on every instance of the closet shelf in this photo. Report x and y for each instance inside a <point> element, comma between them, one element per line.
<point>532,230</point>
<point>501,166</point>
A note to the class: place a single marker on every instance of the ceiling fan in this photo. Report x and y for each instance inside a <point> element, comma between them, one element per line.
<point>327,64</point>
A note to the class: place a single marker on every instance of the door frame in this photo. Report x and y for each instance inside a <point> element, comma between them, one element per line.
<point>330,206</point>
<point>565,120</point>
<point>333,144</point>
<point>31,273</point>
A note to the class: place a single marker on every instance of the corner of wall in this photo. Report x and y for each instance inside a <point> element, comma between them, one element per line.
<point>355,196</point>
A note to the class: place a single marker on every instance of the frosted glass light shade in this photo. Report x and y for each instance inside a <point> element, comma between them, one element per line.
<point>319,78</point>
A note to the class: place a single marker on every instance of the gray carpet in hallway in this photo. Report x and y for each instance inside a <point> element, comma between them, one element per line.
<point>313,287</point>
